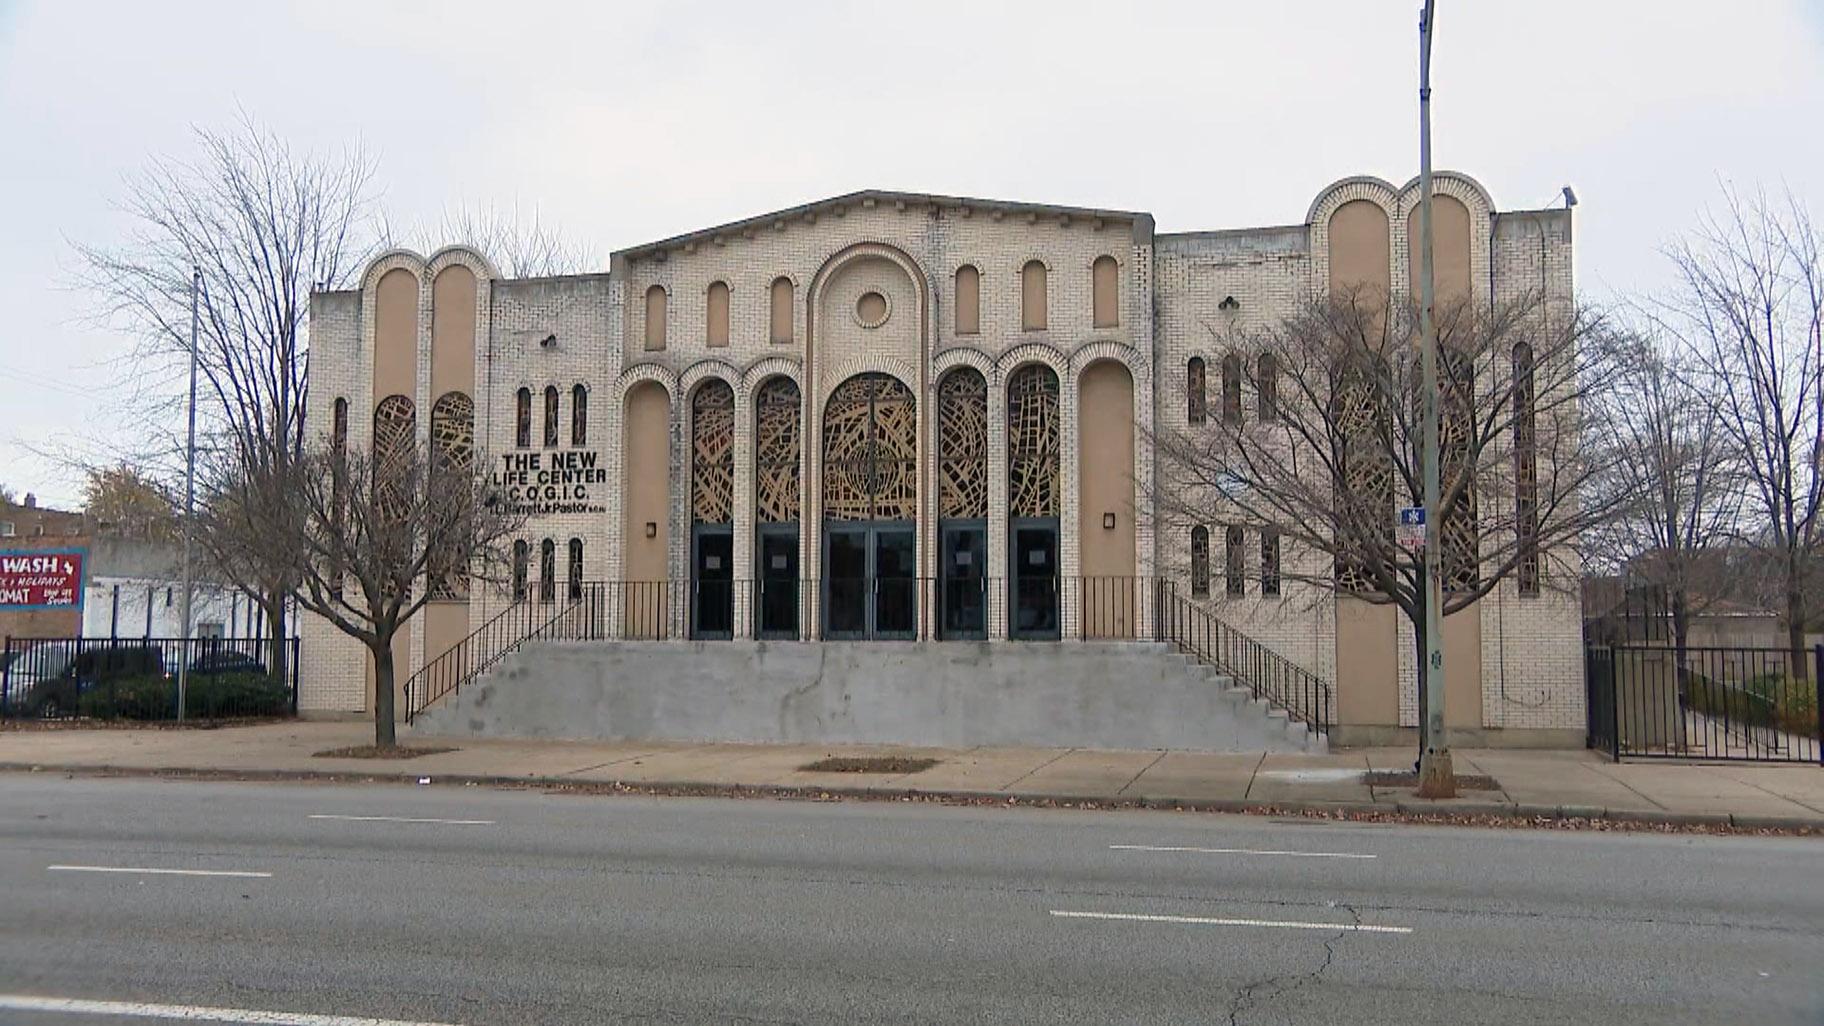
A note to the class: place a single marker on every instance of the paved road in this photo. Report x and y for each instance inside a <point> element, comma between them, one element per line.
<point>528,908</point>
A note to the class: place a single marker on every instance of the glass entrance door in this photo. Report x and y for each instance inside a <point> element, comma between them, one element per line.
<point>1034,580</point>
<point>712,608</point>
<point>778,576</point>
<point>871,587</point>
<point>963,570</point>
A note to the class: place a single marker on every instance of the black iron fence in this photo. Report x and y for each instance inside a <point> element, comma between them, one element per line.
<point>1038,607</point>
<point>138,678</point>
<point>1704,702</point>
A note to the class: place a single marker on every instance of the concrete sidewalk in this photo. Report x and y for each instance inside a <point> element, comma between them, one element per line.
<point>1567,784</point>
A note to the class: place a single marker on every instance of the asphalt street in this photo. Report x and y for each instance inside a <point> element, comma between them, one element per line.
<point>132,901</point>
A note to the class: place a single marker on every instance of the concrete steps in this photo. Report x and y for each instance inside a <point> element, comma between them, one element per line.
<point>951,694</point>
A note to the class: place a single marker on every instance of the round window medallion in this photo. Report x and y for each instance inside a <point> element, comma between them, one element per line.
<point>871,310</point>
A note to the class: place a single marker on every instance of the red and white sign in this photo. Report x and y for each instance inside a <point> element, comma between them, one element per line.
<point>49,579</point>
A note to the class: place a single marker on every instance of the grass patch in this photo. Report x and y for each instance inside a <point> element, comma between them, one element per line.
<point>1403,778</point>
<point>868,764</point>
<point>380,752</point>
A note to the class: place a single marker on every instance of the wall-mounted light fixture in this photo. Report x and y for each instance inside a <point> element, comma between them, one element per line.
<point>1229,303</point>
<point>652,529</point>
<point>1108,521</point>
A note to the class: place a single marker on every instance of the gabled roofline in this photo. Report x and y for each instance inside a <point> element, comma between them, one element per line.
<point>1134,217</point>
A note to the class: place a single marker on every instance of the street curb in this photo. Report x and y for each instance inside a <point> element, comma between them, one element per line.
<point>1405,810</point>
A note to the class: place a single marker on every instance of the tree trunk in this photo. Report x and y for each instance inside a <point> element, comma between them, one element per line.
<point>385,733</point>
<point>1799,667</point>
<point>278,652</point>
<point>1681,641</point>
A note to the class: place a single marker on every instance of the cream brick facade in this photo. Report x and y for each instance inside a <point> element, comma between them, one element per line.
<point>591,330</point>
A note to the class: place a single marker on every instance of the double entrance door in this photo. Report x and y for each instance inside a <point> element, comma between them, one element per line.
<point>870,584</point>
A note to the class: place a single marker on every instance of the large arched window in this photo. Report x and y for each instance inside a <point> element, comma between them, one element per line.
<point>1269,562</point>
<point>1196,391</point>
<point>576,569</point>
<point>1032,296</point>
<point>1105,292</point>
<point>655,318</point>
<point>395,443</point>
<point>452,452</point>
<point>870,450</point>
<point>579,416</point>
<point>1365,475</point>
<point>522,418</point>
<point>547,571</point>
<point>1200,562</point>
<point>338,428</point>
<point>1032,442</point>
<point>1234,559</point>
<point>1231,389</point>
<point>522,556</point>
<point>778,445</point>
<point>962,445</point>
<point>968,300</point>
<point>551,416</point>
<point>1266,387</point>
<point>716,314</point>
<point>782,310</point>
<point>712,446</point>
<point>1526,471</point>
<point>338,495</point>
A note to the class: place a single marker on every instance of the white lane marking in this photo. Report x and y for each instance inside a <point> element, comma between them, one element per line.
<point>193,1013</point>
<point>1283,924</point>
<point>159,872</point>
<point>402,819</point>
<point>1244,851</point>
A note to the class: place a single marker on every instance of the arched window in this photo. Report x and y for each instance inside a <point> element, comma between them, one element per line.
<point>1231,389</point>
<point>777,447</point>
<point>870,450</point>
<point>1105,289</point>
<point>338,429</point>
<point>452,452</point>
<point>579,416</point>
<point>550,416</point>
<point>1364,475</point>
<point>962,445</point>
<point>1032,296</point>
<point>521,556</point>
<point>1032,442</point>
<point>547,571</point>
<point>712,446</point>
<point>716,314</point>
<point>522,418</point>
<point>968,300</point>
<point>395,446</point>
<point>576,569</point>
<point>1266,387</point>
<point>1526,471</point>
<point>655,318</point>
<point>782,309</point>
<point>1234,555</point>
<point>338,447</point>
<point>1269,562</point>
<point>1200,562</point>
<point>1196,397</point>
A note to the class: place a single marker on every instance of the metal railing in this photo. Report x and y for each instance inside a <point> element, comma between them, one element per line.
<point>566,613</point>
<point>1197,631</point>
<point>1020,608</point>
<point>137,678</point>
<point>1705,702</point>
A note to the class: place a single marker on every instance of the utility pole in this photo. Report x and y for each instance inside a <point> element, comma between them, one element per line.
<point>1436,780</point>
<point>183,664</point>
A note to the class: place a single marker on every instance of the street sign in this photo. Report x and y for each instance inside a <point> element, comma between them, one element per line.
<point>1409,530</point>
<point>45,579</point>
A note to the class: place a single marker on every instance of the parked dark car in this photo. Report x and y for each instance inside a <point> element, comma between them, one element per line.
<point>50,679</point>
<point>222,661</point>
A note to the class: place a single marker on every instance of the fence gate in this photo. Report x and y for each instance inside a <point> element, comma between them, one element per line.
<point>1700,702</point>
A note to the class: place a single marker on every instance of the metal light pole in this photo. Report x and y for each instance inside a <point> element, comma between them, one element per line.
<point>183,664</point>
<point>1435,777</point>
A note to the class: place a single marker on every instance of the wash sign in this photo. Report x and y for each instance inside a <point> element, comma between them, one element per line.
<point>46,579</point>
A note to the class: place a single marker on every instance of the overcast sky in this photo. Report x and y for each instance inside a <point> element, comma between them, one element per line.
<point>625,123</point>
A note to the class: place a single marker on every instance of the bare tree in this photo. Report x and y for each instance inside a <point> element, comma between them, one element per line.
<point>369,539</point>
<point>520,244</point>
<point>1750,316</point>
<point>263,226</point>
<point>1337,446</point>
<point>1676,481</point>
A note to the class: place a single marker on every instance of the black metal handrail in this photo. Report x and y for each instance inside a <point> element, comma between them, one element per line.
<point>1198,632</point>
<point>529,617</point>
